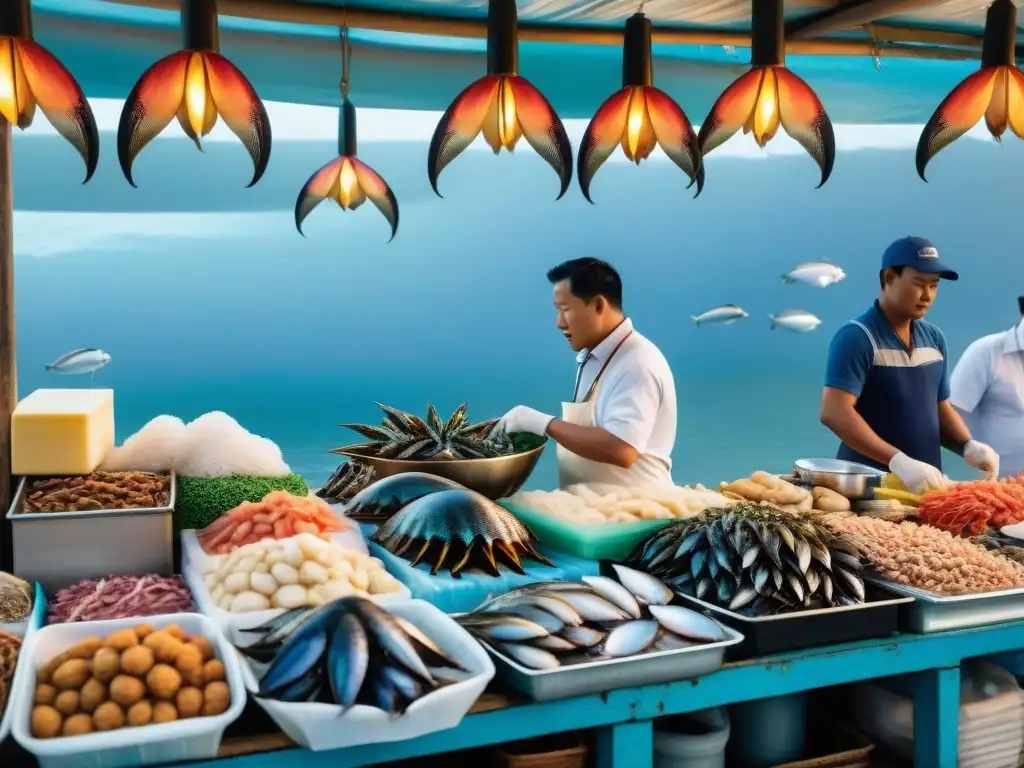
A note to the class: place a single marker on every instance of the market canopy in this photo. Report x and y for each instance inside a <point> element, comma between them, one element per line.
<point>870,61</point>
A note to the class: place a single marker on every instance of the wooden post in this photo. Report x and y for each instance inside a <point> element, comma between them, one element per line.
<point>8,353</point>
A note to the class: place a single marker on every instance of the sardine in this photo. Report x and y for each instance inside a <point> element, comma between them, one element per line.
<point>553,643</point>
<point>428,650</point>
<point>303,689</point>
<point>293,661</point>
<point>614,592</point>
<point>348,658</point>
<point>723,315</point>
<point>536,615</point>
<point>630,638</point>
<point>391,638</point>
<point>287,619</point>
<point>687,623</point>
<point>584,637</point>
<point>528,656</point>
<point>502,627</point>
<point>403,682</point>
<point>593,607</point>
<point>796,320</point>
<point>380,693</point>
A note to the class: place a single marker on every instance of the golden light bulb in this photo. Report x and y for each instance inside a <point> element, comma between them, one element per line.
<point>635,119</point>
<point>348,184</point>
<point>766,110</point>
<point>508,128</point>
<point>196,104</point>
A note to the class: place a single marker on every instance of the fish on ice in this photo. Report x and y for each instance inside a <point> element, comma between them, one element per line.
<point>79,361</point>
<point>723,315</point>
<point>796,320</point>
<point>819,274</point>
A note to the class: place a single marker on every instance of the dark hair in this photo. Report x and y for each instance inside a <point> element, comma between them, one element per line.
<point>590,278</point>
<point>881,274</point>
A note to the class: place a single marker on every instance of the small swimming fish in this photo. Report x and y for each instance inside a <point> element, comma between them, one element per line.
<point>723,315</point>
<point>79,361</point>
<point>796,320</point>
<point>819,274</point>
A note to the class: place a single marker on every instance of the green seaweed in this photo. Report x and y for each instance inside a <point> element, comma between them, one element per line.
<point>526,441</point>
<point>201,500</point>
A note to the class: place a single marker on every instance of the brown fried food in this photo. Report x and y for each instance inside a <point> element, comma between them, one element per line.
<point>163,681</point>
<point>216,699</point>
<point>45,722</point>
<point>190,702</point>
<point>213,671</point>
<point>106,664</point>
<point>100,490</point>
<point>108,717</point>
<point>164,712</point>
<point>93,694</point>
<point>71,675</point>
<point>140,713</point>
<point>122,640</point>
<point>45,694</point>
<point>67,703</point>
<point>77,725</point>
<point>137,661</point>
<point>126,690</point>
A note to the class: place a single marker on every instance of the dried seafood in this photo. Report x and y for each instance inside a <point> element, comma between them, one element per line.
<point>927,558</point>
<point>459,528</point>
<point>348,479</point>
<point>120,597</point>
<point>970,508</point>
<point>15,599</point>
<point>754,559</point>
<point>406,436</point>
<point>100,490</point>
<point>600,504</point>
<point>10,645</point>
<point>556,623</point>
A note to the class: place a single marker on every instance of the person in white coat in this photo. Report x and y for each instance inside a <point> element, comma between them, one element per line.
<point>987,387</point>
<point>620,425</point>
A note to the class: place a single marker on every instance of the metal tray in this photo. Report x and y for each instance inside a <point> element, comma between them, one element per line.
<point>59,548</point>
<point>879,617</point>
<point>930,612</point>
<point>609,674</point>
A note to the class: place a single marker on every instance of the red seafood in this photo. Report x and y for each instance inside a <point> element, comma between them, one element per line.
<point>970,508</point>
<point>279,515</point>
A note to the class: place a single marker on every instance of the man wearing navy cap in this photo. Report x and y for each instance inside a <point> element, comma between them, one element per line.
<point>886,387</point>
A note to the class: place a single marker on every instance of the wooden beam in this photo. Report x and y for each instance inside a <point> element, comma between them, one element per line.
<point>426,24</point>
<point>849,15</point>
<point>8,356</point>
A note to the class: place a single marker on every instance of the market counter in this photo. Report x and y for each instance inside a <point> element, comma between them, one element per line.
<point>624,717</point>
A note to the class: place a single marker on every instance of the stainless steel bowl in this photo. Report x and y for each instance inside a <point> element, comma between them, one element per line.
<point>494,478</point>
<point>852,480</point>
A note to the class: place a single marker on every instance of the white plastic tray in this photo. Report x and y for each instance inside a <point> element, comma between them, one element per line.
<point>182,740</point>
<point>320,727</point>
<point>25,630</point>
<point>193,558</point>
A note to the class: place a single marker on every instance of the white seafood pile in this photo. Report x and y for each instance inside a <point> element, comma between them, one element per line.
<point>303,570</point>
<point>597,504</point>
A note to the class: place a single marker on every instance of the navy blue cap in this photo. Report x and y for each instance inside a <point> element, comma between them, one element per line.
<point>917,253</point>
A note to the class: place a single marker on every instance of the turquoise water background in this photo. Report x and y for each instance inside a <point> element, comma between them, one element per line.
<point>208,299</point>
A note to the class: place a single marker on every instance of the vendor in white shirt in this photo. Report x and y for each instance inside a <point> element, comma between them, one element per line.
<point>620,426</point>
<point>987,387</point>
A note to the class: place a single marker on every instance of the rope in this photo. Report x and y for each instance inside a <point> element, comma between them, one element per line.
<point>346,59</point>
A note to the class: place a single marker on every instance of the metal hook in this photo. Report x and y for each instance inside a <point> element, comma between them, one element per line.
<point>346,58</point>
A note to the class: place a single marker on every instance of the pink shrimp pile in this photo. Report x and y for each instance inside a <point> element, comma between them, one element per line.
<point>280,515</point>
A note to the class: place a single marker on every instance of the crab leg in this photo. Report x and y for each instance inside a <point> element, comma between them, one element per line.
<point>439,562</point>
<point>420,554</point>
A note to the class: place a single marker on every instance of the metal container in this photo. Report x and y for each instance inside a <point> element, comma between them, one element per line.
<point>850,479</point>
<point>930,612</point>
<point>765,635</point>
<point>597,676</point>
<point>59,548</point>
<point>495,478</point>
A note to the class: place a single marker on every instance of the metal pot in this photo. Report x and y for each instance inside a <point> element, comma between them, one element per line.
<point>848,478</point>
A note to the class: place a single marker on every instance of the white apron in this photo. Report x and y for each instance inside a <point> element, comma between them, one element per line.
<point>646,471</point>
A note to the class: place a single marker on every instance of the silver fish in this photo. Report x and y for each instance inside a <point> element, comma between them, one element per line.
<point>536,615</point>
<point>630,638</point>
<point>819,274</point>
<point>551,603</point>
<point>611,590</point>
<point>348,658</point>
<point>392,638</point>
<point>429,651</point>
<point>723,315</point>
<point>687,623</point>
<point>669,641</point>
<point>528,656</point>
<point>403,682</point>
<point>79,361</point>
<point>554,643</point>
<point>502,627</point>
<point>593,607</point>
<point>647,589</point>
<point>796,320</point>
<point>583,637</point>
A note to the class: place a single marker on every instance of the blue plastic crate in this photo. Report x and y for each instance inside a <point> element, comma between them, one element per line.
<point>465,593</point>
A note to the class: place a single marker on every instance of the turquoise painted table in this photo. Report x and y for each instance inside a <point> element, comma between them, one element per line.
<point>925,666</point>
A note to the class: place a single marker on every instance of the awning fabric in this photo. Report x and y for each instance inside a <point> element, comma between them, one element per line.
<point>108,45</point>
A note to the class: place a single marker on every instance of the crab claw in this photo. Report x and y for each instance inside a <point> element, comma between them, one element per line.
<point>31,76</point>
<point>197,87</point>
<point>995,93</point>
<point>349,182</point>
<point>762,100</point>
<point>638,118</point>
<point>503,108</point>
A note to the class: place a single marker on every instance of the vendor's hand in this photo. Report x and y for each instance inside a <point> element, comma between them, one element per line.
<point>917,476</point>
<point>523,419</point>
<point>982,458</point>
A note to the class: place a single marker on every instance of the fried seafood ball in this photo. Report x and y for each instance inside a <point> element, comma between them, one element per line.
<point>67,703</point>
<point>164,712</point>
<point>126,690</point>
<point>163,681</point>
<point>205,646</point>
<point>216,699</point>
<point>106,664</point>
<point>45,722</point>
<point>175,631</point>
<point>45,694</point>
<point>77,725</point>
<point>137,661</point>
<point>144,631</point>
<point>108,717</point>
<point>165,647</point>
<point>190,702</point>
<point>213,671</point>
<point>140,713</point>
<point>71,675</point>
<point>93,694</point>
<point>190,664</point>
<point>85,649</point>
<point>122,640</point>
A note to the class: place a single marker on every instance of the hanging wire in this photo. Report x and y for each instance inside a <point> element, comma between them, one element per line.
<point>346,58</point>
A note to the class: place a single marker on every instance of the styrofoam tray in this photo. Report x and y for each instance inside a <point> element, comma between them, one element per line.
<point>320,727</point>
<point>182,740</point>
<point>233,623</point>
<point>25,630</point>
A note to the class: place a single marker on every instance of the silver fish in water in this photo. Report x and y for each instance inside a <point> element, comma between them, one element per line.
<point>796,320</point>
<point>819,274</point>
<point>723,315</point>
<point>80,361</point>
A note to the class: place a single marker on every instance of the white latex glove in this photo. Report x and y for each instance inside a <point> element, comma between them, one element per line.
<point>524,419</point>
<point>982,458</point>
<point>916,475</point>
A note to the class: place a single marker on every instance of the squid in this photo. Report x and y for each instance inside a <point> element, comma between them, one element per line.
<point>31,77</point>
<point>347,180</point>
<point>197,85</point>
<point>769,96</point>
<point>502,105</point>
<point>638,117</point>
<point>995,92</point>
